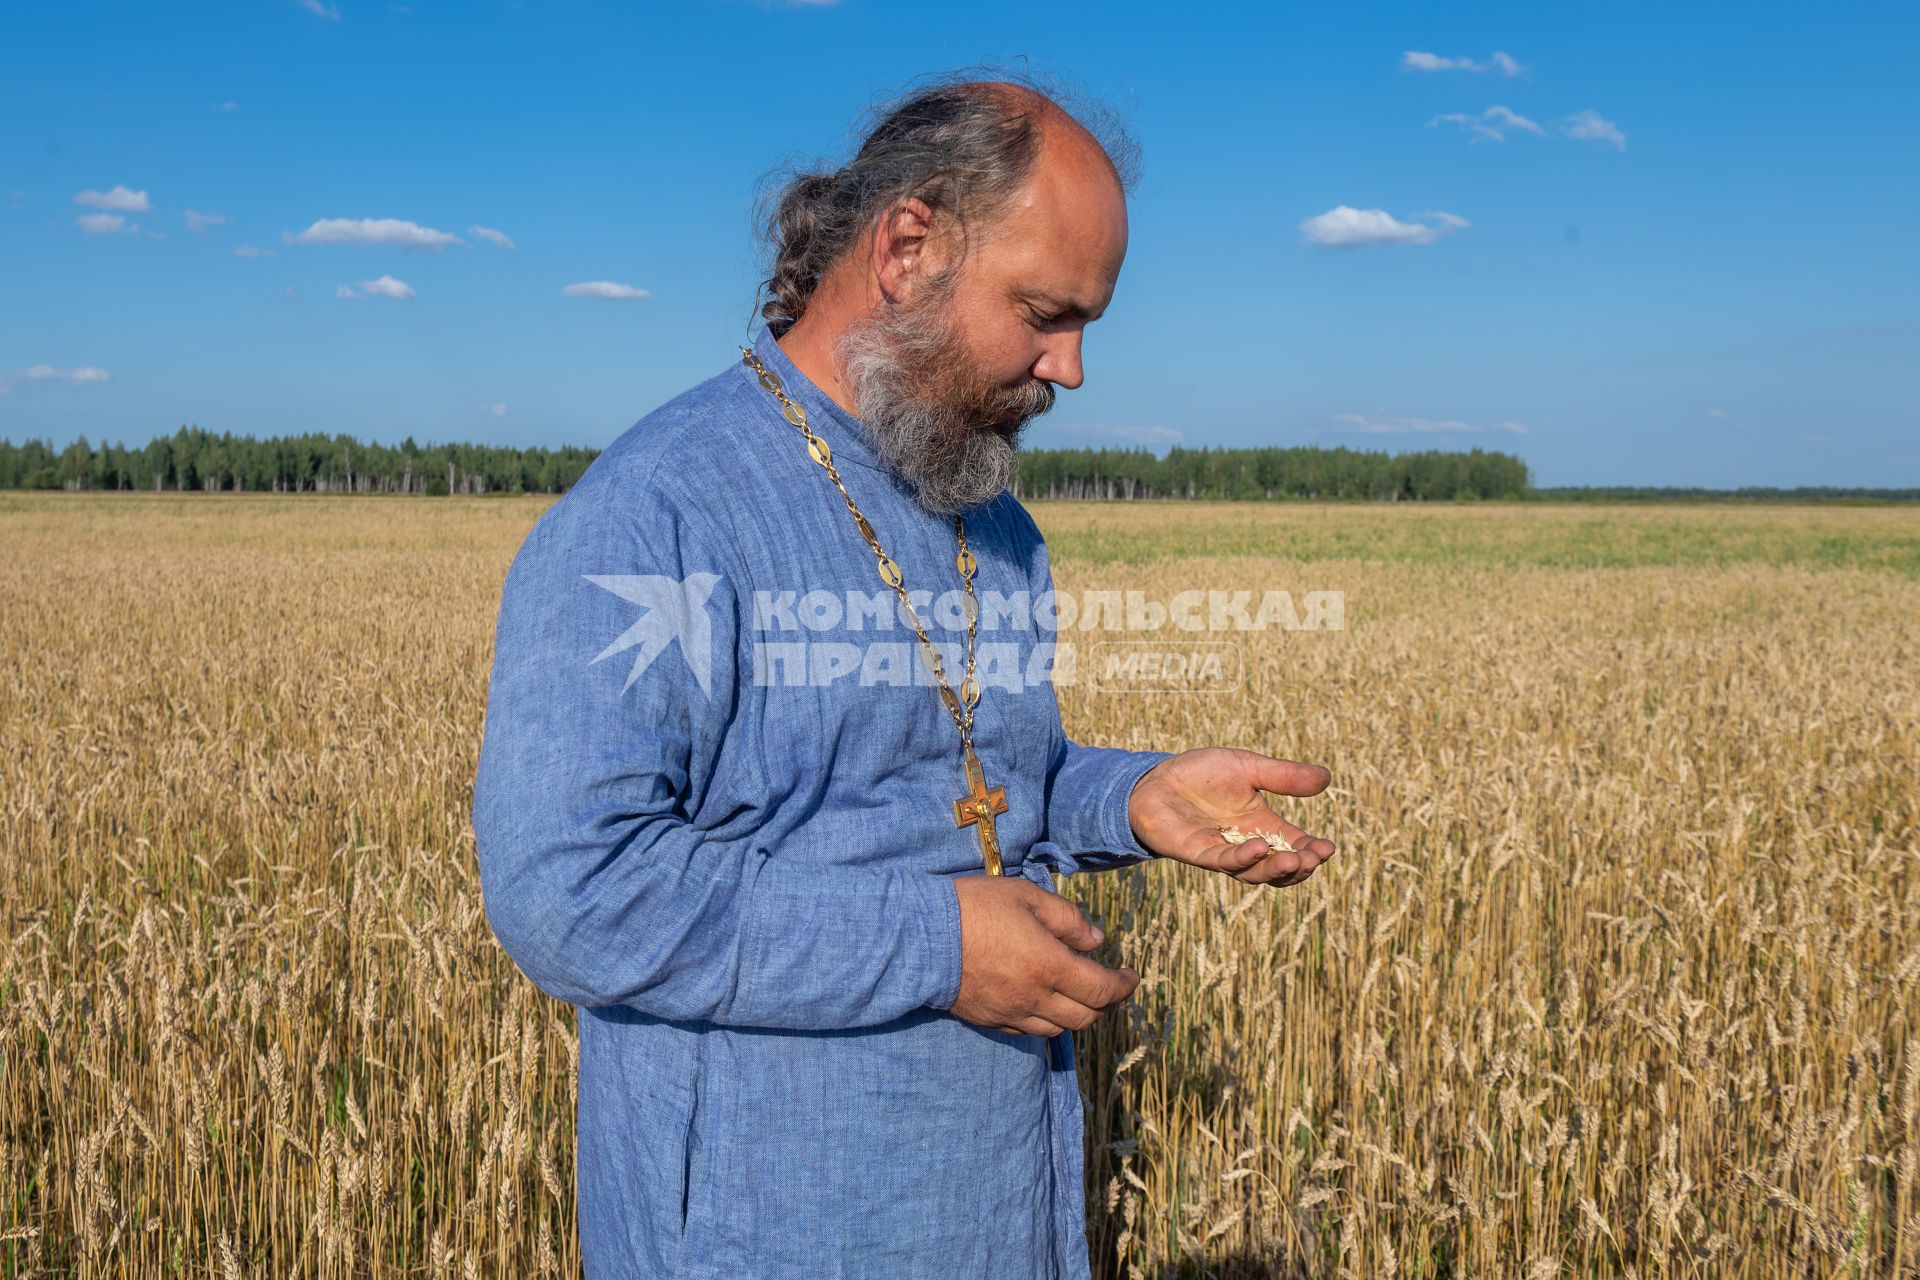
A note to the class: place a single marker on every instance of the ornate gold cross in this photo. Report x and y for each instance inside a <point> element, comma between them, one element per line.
<point>976,809</point>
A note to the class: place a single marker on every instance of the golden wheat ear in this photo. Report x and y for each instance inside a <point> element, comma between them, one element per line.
<point>1234,835</point>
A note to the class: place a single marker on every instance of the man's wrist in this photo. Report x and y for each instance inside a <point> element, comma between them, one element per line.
<point>1124,837</point>
<point>1133,823</point>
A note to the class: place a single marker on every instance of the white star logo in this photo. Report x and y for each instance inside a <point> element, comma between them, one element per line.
<point>676,609</point>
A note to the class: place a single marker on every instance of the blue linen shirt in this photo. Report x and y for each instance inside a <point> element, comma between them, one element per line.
<point>710,817</point>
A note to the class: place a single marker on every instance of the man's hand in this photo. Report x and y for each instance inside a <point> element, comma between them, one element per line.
<point>1017,973</point>
<point>1179,807</point>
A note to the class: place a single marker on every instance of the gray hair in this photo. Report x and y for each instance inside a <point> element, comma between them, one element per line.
<point>955,143</point>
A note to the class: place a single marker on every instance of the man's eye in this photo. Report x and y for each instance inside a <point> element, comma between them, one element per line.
<point>1041,320</point>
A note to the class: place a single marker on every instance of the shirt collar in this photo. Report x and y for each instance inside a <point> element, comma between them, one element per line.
<point>845,434</point>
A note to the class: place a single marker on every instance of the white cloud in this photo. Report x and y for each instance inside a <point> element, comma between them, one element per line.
<point>1716,413</point>
<point>384,287</point>
<point>500,410</point>
<point>491,236</point>
<point>199,222</point>
<point>120,200</point>
<point>604,289</point>
<point>327,11</point>
<point>1495,122</point>
<point>388,287</point>
<point>226,106</point>
<point>1384,424</point>
<point>79,377</point>
<point>1125,437</point>
<point>394,232</point>
<point>1344,227</point>
<point>254,251</point>
<point>1591,126</point>
<point>1500,62</point>
<point>107,224</point>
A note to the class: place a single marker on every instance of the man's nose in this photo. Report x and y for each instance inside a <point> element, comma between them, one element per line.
<point>1060,362</point>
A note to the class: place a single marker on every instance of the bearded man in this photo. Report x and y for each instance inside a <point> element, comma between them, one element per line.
<point>826,991</point>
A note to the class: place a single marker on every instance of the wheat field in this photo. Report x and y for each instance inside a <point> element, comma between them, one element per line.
<point>1616,972</point>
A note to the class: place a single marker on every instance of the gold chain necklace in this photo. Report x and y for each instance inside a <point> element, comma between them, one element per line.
<point>978,807</point>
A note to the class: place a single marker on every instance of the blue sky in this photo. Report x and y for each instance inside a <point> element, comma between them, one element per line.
<point>1682,251</point>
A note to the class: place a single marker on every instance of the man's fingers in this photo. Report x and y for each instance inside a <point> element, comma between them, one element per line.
<point>1232,858</point>
<point>1091,985</point>
<point>1066,921</point>
<point>1275,866</point>
<point>1083,988</point>
<point>1283,870</point>
<point>1288,777</point>
<point>1034,1027</point>
<point>1316,847</point>
<point>1278,866</point>
<point>1066,1012</point>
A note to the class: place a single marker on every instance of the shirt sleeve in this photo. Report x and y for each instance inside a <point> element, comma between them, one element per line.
<point>1087,793</point>
<point>1087,788</point>
<point>615,672</point>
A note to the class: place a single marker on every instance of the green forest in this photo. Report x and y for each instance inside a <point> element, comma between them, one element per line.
<point>193,459</point>
<point>196,460</point>
<point>1300,472</point>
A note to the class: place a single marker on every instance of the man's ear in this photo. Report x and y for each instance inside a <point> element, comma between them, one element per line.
<point>902,240</point>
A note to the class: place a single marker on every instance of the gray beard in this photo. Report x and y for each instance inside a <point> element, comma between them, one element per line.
<point>932,422</point>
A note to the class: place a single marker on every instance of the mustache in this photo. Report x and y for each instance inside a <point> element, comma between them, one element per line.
<point>1029,400</point>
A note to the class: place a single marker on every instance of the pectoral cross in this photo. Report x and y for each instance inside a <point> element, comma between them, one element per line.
<point>976,809</point>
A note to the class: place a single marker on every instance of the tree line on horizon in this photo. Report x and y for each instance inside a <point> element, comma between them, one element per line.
<point>193,459</point>
<point>196,460</point>
<point>1300,471</point>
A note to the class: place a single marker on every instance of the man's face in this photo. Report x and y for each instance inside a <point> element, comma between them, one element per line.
<point>948,378</point>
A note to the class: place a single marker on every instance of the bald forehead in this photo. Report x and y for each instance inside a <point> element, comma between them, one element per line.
<point>1063,238</point>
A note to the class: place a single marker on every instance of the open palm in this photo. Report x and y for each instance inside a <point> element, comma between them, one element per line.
<point>1179,807</point>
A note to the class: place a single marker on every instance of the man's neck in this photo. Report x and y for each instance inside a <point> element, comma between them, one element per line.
<point>811,350</point>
